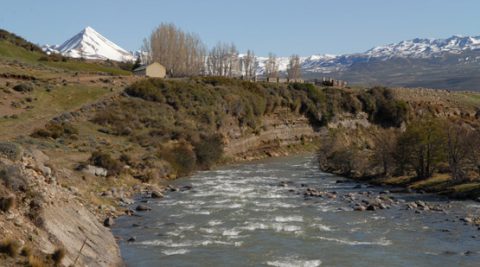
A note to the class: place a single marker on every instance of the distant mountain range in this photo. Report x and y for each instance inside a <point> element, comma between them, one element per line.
<point>90,44</point>
<point>451,63</point>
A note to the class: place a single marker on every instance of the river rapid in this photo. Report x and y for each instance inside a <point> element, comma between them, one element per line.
<point>256,214</point>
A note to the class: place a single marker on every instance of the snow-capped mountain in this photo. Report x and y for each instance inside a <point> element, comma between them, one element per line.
<point>414,49</point>
<point>90,44</point>
<point>424,48</point>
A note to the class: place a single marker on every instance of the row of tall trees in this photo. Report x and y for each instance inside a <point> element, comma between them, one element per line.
<point>182,54</point>
<point>185,54</point>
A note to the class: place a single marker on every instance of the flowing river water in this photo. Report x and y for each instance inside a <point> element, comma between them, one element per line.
<point>239,215</point>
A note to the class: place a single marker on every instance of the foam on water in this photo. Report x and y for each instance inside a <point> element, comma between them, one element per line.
<point>214,222</point>
<point>295,218</point>
<point>380,242</point>
<point>169,252</point>
<point>231,232</point>
<point>322,227</point>
<point>294,262</point>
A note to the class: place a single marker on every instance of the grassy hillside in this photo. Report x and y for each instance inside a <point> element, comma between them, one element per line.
<point>15,48</point>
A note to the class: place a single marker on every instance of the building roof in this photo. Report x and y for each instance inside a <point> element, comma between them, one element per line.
<point>143,67</point>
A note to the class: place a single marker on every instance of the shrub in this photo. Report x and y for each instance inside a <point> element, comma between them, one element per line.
<point>10,247</point>
<point>181,156</point>
<point>26,251</point>
<point>7,203</point>
<point>58,256</point>
<point>34,261</point>
<point>10,150</point>
<point>383,108</point>
<point>105,160</point>
<point>12,177</point>
<point>147,89</point>
<point>53,57</point>
<point>23,87</point>
<point>209,150</point>
<point>56,130</point>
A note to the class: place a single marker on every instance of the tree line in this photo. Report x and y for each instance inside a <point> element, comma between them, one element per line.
<point>185,54</point>
<point>427,145</point>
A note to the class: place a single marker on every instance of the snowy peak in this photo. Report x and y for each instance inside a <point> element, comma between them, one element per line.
<point>90,44</point>
<point>424,48</point>
<point>419,48</point>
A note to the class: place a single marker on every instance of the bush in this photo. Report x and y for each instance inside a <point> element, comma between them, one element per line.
<point>10,247</point>
<point>148,89</point>
<point>181,156</point>
<point>26,251</point>
<point>56,130</point>
<point>12,177</point>
<point>34,261</point>
<point>383,108</point>
<point>10,150</point>
<point>7,203</point>
<point>23,87</point>
<point>53,57</point>
<point>58,256</point>
<point>104,160</point>
<point>209,150</point>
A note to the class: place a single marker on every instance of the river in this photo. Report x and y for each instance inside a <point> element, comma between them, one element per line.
<point>238,215</point>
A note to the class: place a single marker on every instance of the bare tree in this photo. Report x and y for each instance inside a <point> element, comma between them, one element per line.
<point>182,54</point>
<point>271,67</point>
<point>293,70</point>
<point>458,147</point>
<point>473,156</point>
<point>248,65</point>
<point>223,60</point>
<point>385,148</point>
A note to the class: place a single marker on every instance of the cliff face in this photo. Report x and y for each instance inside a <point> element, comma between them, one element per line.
<point>281,129</point>
<point>47,216</point>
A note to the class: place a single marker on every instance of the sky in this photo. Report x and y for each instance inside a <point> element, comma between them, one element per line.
<point>283,27</point>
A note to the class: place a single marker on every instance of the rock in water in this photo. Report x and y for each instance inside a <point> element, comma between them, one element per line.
<point>156,194</point>
<point>143,208</point>
<point>108,222</point>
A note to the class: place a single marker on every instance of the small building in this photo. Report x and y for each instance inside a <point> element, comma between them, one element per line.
<point>154,70</point>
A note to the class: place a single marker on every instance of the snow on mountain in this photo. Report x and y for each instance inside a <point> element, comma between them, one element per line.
<point>90,44</point>
<point>424,48</point>
<point>416,48</point>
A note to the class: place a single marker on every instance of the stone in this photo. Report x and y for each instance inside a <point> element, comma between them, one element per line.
<point>371,207</point>
<point>186,188</point>
<point>142,207</point>
<point>97,171</point>
<point>108,222</point>
<point>382,206</point>
<point>132,239</point>
<point>129,212</point>
<point>126,201</point>
<point>467,220</point>
<point>360,208</point>
<point>172,188</point>
<point>420,203</point>
<point>156,194</point>
<point>358,186</point>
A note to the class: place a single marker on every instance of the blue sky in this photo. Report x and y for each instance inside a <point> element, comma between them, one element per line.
<point>283,27</point>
